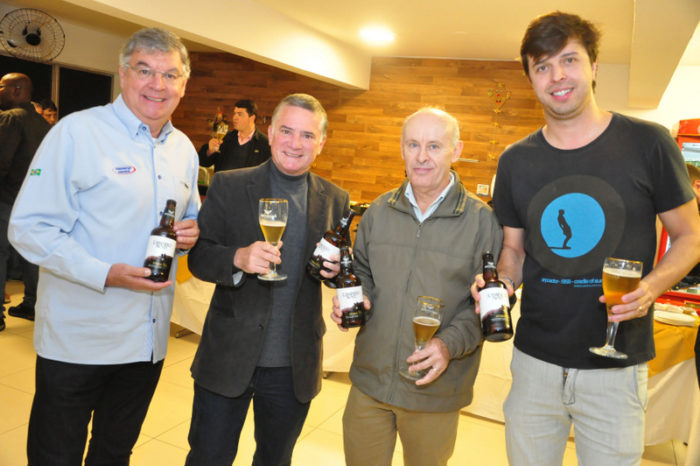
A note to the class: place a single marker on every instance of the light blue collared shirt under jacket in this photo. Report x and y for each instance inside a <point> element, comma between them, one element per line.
<point>94,191</point>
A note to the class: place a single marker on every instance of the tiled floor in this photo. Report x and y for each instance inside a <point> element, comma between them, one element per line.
<point>163,440</point>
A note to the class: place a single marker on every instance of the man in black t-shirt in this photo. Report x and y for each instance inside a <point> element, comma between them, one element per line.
<point>608,176</point>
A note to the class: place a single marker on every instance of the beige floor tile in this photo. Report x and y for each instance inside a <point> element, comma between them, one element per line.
<point>479,442</point>
<point>334,424</point>
<point>171,406</point>
<point>154,452</point>
<point>14,408</point>
<point>661,454</point>
<point>178,373</point>
<point>320,447</point>
<point>18,353</point>
<point>180,349</point>
<point>13,450</point>
<point>177,436</point>
<point>330,401</point>
<point>22,380</point>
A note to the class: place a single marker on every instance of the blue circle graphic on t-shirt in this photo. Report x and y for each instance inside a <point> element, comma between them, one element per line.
<point>572,224</point>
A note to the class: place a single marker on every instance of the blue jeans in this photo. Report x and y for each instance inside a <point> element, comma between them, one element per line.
<point>217,421</point>
<point>30,272</point>
<point>117,396</point>
<point>606,407</point>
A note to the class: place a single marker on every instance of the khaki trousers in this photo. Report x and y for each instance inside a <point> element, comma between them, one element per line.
<point>370,427</point>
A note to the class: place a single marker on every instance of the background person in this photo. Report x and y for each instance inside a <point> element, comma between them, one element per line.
<point>21,132</point>
<point>426,237</point>
<point>244,146</point>
<point>96,188</point>
<point>613,175</point>
<point>262,341</point>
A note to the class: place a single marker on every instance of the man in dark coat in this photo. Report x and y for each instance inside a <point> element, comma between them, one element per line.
<point>262,340</point>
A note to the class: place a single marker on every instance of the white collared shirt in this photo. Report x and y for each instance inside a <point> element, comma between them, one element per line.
<point>421,216</point>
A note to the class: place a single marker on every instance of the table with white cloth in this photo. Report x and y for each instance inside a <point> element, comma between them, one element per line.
<point>192,297</point>
<point>674,398</point>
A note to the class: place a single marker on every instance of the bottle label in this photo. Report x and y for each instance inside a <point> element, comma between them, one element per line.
<point>325,249</point>
<point>347,297</point>
<point>492,300</point>
<point>160,246</point>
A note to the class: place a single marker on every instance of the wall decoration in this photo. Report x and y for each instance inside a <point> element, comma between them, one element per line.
<point>500,95</point>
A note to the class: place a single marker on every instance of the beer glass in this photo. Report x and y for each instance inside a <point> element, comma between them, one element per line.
<point>272,214</point>
<point>221,131</point>
<point>426,321</point>
<point>620,276</point>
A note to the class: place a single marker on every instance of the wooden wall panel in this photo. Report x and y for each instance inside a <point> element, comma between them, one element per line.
<point>362,152</point>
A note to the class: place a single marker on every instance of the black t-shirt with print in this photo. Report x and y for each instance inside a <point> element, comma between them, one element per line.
<point>578,207</point>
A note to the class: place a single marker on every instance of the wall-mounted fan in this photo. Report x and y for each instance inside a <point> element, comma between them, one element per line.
<point>31,34</point>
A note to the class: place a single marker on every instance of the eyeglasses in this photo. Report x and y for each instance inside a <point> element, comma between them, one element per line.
<point>144,73</point>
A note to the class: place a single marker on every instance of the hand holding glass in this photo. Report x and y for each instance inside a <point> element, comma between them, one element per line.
<point>272,214</point>
<point>426,321</point>
<point>620,276</point>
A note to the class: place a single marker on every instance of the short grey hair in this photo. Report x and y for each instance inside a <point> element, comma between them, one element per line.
<point>306,101</point>
<point>152,40</point>
<point>451,123</point>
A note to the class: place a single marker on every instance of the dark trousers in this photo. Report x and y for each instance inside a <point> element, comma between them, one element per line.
<point>30,272</point>
<point>217,421</point>
<point>117,396</point>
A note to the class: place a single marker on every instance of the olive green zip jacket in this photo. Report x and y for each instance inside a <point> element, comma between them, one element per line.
<point>398,259</point>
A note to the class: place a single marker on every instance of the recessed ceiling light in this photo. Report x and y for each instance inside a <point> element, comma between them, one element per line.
<point>377,35</point>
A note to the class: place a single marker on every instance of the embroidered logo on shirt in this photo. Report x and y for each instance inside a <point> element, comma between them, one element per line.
<point>124,170</point>
<point>35,172</point>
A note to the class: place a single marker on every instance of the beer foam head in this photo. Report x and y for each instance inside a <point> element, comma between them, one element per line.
<point>622,272</point>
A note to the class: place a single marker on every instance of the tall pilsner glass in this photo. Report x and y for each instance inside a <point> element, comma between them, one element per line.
<point>620,276</point>
<point>426,321</point>
<point>272,214</point>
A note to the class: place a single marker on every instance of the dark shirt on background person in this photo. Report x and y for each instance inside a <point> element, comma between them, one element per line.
<point>244,146</point>
<point>21,132</point>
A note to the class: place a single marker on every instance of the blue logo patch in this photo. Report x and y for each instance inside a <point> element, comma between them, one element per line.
<point>124,170</point>
<point>572,224</point>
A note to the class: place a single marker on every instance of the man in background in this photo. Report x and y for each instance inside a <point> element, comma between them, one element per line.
<point>21,132</point>
<point>96,188</point>
<point>612,174</point>
<point>244,146</point>
<point>48,110</point>
<point>426,237</point>
<point>262,341</point>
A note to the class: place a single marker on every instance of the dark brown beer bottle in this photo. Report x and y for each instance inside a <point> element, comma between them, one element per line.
<point>494,304</point>
<point>161,245</point>
<point>349,289</point>
<point>330,245</point>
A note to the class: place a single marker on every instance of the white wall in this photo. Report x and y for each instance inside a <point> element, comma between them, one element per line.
<point>86,48</point>
<point>680,101</point>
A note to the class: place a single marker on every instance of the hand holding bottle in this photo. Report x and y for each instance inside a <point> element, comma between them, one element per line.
<point>133,278</point>
<point>337,313</point>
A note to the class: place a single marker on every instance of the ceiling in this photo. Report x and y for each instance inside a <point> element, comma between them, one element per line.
<point>648,35</point>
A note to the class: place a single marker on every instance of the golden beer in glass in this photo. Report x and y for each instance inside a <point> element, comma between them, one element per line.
<point>426,322</point>
<point>620,276</point>
<point>272,215</point>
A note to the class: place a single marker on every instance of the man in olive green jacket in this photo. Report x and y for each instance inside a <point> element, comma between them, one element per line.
<point>425,238</point>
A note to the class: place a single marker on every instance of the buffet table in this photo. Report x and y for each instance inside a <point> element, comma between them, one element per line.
<point>674,398</point>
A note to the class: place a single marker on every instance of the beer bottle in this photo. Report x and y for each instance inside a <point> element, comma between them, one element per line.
<point>349,290</point>
<point>494,304</point>
<point>330,245</point>
<point>161,245</point>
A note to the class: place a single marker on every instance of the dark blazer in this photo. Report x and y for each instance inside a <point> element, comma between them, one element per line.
<point>225,159</point>
<point>234,329</point>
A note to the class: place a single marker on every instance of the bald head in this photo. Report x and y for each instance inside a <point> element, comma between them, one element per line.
<point>15,89</point>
